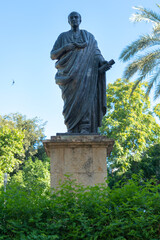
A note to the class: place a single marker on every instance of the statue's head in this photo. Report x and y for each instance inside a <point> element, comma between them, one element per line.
<point>74,19</point>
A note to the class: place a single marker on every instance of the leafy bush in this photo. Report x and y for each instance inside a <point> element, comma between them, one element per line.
<point>74,212</point>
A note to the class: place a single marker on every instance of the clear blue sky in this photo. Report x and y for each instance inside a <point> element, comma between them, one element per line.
<point>29,29</point>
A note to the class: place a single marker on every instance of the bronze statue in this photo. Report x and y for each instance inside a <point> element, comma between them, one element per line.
<point>81,77</point>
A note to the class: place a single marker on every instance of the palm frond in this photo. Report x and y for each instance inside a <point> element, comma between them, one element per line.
<point>156,30</point>
<point>144,72</point>
<point>139,45</point>
<point>143,65</point>
<point>152,81</point>
<point>148,64</point>
<point>145,15</point>
<point>158,5</point>
<point>130,70</point>
<point>149,61</point>
<point>140,79</point>
<point>157,92</point>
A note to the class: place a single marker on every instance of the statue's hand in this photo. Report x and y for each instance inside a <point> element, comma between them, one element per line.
<point>81,45</point>
<point>106,65</point>
<point>102,62</point>
<point>70,47</point>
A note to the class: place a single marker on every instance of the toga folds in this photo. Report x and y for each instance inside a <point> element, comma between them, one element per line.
<point>83,87</point>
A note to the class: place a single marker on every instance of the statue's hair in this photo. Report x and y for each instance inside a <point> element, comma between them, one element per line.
<point>72,13</point>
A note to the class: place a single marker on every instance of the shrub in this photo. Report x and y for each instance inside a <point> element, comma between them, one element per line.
<point>131,211</point>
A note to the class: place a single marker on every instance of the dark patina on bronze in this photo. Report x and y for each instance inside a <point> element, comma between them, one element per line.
<point>81,78</point>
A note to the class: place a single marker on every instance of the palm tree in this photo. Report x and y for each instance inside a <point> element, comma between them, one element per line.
<point>145,52</point>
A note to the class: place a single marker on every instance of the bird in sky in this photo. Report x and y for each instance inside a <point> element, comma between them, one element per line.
<point>13,82</point>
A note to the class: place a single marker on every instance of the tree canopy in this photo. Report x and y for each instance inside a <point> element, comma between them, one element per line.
<point>33,130</point>
<point>20,140</point>
<point>130,122</point>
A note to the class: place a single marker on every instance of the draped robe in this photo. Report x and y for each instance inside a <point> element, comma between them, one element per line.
<point>83,87</point>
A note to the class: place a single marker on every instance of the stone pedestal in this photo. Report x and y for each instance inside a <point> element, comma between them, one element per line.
<point>83,157</point>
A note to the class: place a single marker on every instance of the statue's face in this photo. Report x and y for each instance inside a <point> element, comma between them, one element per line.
<point>74,19</point>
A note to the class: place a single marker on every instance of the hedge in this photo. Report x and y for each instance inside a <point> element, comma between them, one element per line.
<point>131,211</point>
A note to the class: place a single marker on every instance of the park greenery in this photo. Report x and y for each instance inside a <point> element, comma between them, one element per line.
<point>20,141</point>
<point>131,211</point>
<point>132,124</point>
<point>128,206</point>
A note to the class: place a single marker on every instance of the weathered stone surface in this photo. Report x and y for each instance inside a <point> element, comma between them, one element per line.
<point>82,157</point>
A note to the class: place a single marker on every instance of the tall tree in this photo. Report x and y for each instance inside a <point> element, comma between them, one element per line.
<point>145,52</point>
<point>130,122</point>
<point>33,130</point>
<point>11,149</point>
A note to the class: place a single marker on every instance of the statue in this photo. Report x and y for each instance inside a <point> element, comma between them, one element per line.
<point>81,77</point>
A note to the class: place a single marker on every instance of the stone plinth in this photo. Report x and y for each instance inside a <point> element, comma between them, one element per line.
<point>83,157</point>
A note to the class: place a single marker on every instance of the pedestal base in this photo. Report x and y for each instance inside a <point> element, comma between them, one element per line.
<point>82,157</point>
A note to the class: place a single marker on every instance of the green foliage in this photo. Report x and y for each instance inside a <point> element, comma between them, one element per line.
<point>145,52</point>
<point>41,154</point>
<point>32,128</point>
<point>149,164</point>
<point>11,147</point>
<point>148,167</point>
<point>157,110</point>
<point>130,212</point>
<point>130,122</point>
<point>33,175</point>
<point>21,139</point>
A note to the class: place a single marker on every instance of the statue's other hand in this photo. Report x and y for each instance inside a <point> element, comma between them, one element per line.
<point>70,47</point>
